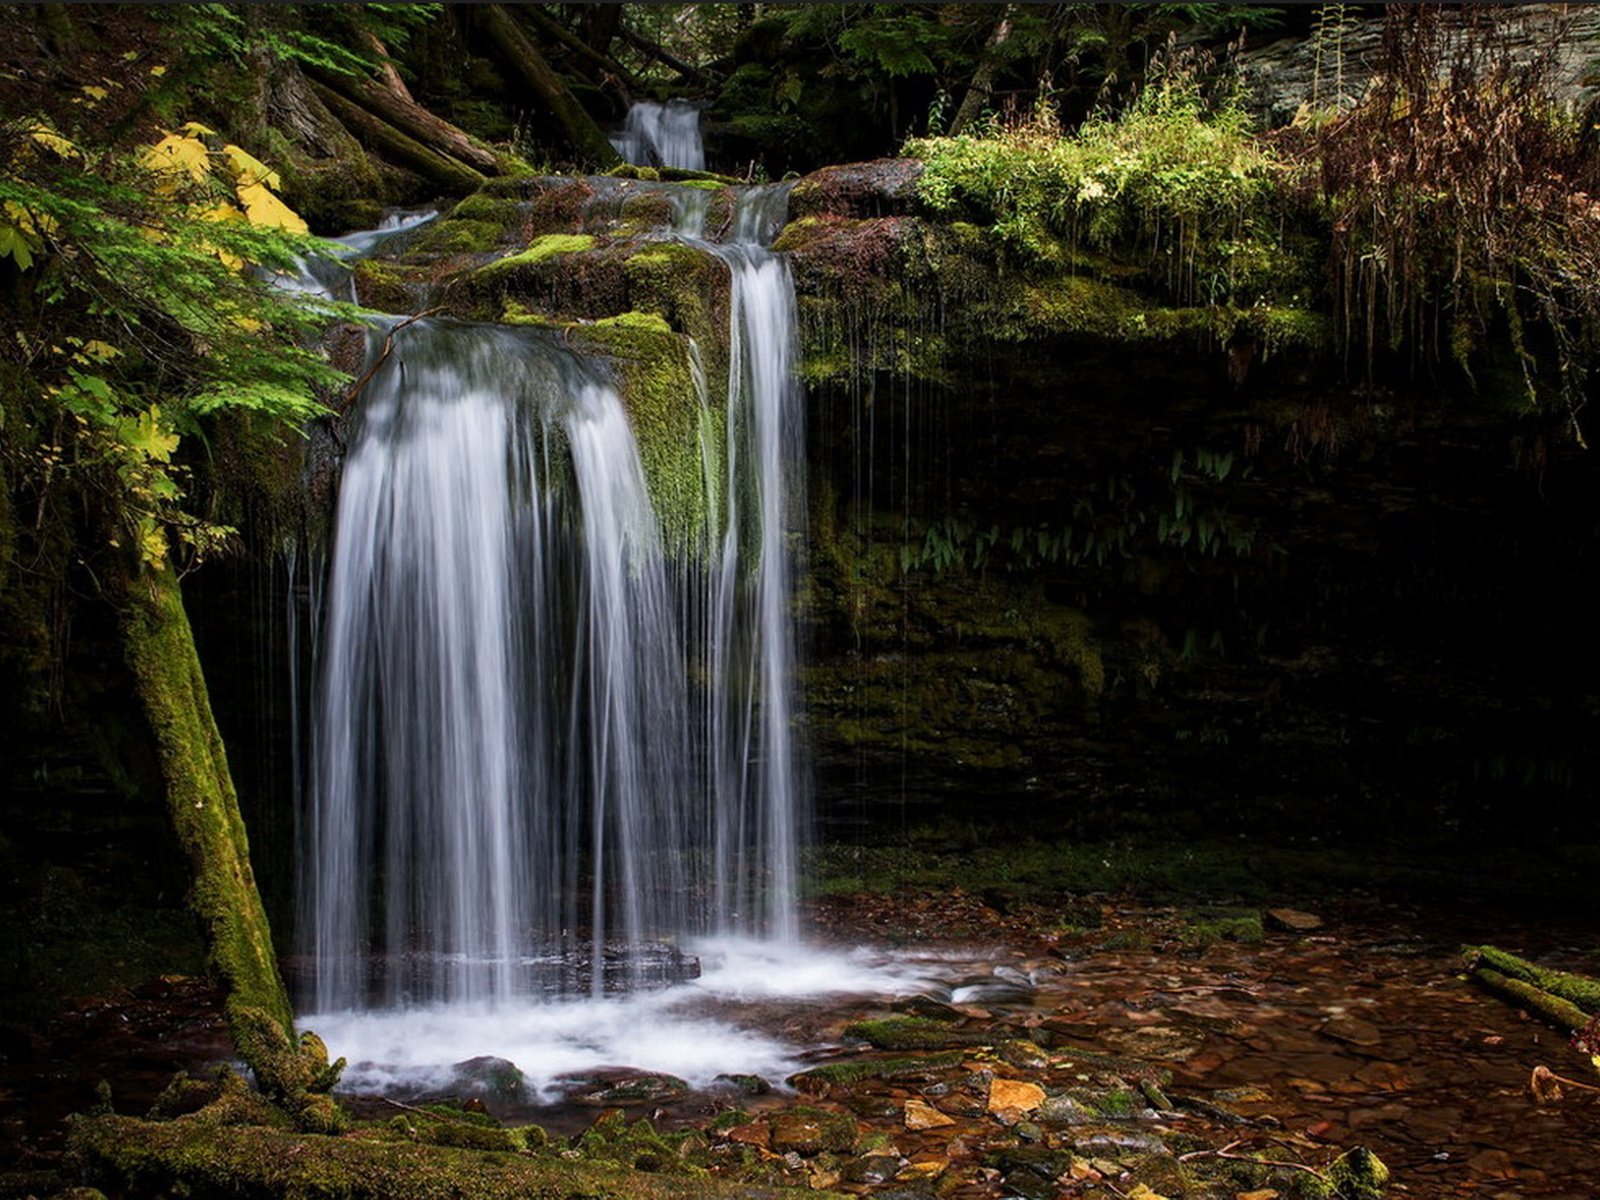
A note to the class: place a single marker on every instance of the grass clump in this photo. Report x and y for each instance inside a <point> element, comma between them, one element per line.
<point>1177,182</point>
<point>902,1033</point>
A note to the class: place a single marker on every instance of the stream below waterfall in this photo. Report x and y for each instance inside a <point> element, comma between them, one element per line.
<point>1359,1032</point>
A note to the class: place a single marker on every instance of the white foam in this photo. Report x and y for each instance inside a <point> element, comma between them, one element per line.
<point>675,1030</point>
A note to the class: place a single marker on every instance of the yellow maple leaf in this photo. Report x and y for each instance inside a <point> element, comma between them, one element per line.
<point>177,154</point>
<point>262,208</point>
<point>195,129</point>
<point>94,92</point>
<point>158,72</point>
<point>249,169</point>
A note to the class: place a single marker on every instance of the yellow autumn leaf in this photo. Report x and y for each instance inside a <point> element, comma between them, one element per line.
<point>21,217</point>
<point>152,542</point>
<point>53,141</point>
<point>195,129</point>
<point>100,351</point>
<point>176,154</point>
<point>221,211</point>
<point>158,72</point>
<point>262,208</point>
<point>248,169</point>
<point>94,91</point>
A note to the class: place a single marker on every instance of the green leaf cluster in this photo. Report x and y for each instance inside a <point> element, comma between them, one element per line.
<point>139,312</point>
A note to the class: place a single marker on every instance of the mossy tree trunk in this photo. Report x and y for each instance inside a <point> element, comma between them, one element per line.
<point>160,650</point>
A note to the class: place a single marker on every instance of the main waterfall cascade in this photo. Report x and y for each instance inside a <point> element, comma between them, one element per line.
<point>543,752</point>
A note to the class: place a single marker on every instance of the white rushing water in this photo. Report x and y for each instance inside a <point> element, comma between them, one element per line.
<point>543,756</point>
<point>662,135</point>
<point>330,276</point>
<point>681,1031</point>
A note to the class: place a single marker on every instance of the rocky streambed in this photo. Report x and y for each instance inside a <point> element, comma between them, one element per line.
<point>1099,1047</point>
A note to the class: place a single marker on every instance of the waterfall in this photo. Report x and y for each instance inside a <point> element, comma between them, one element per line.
<point>542,752</point>
<point>662,135</point>
<point>752,647</point>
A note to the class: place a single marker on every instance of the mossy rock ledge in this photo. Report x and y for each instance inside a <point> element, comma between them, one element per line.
<point>195,1156</point>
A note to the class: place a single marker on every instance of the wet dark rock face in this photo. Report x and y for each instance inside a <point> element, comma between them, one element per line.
<point>1132,577</point>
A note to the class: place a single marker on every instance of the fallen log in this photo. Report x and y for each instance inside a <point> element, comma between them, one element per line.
<point>387,71</point>
<point>662,55</point>
<point>455,178</point>
<point>586,137</point>
<point>1563,1014</point>
<point>406,115</point>
<point>552,28</point>
<point>1576,989</point>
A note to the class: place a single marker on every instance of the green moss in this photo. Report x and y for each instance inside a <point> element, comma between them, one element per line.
<point>668,417</point>
<point>689,288</point>
<point>485,206</point>
<point>1118,1102</point>
<point>1358,1174</point>
<point>514,313</point>
<point>385,285</point>
<point>1207,929</point>
<point>880,1068</point>
<point>184,1157</point>
<point>1576,989</point>
<point>543,248</point>
<point>634,171</point>
<point>455,236</point>
<point>903,1033</point>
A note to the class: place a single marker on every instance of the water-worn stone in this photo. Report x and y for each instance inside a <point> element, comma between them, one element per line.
<point>489,1076</point>
<point>1290,920</point>
<point>1359,1174</point>
<point>811,1131</point>
<point>1065,1110</point>
<point>873,1169</point>
<point>1353,1030</point>
<point>1014,1095</point>
<point>1024,1055</point>
<point>755,1133</point>
<point>620,1085</point>
<point>922,1115</point>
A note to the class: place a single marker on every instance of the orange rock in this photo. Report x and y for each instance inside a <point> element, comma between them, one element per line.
<point>920,1115</point>
<point>756,1133</point>
<point>1014,1094</point>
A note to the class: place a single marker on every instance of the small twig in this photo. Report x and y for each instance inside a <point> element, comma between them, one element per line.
<point>383,355</point>
<point>1587,1087</point>
<point>1227,1153</point>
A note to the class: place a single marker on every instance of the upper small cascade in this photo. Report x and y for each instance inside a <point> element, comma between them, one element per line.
<point>330,276</point>
<point>662,135</point>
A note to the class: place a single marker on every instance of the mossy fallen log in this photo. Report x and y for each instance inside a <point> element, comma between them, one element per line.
<point>1561,1013</point>
<point>455,178</point>
<point>1575,989</point>
<point>412,119</point>
<point>200,1158</point>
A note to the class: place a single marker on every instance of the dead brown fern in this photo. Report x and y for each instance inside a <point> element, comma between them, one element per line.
<point>1460,199</point>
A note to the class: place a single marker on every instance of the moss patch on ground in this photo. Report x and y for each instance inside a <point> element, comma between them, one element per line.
<point>190,1156</point>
